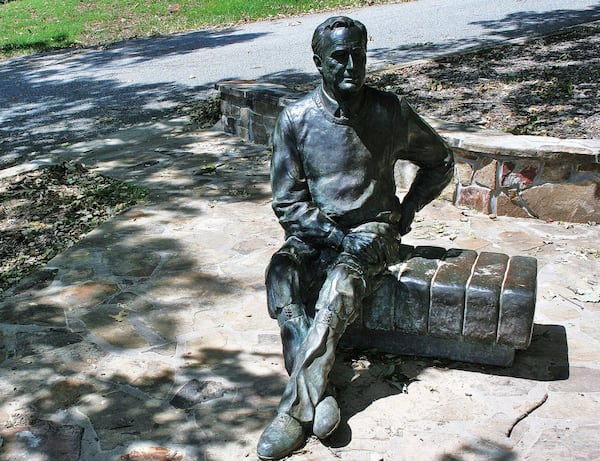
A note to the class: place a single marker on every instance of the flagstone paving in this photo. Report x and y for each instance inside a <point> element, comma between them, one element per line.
<point>149,339</point>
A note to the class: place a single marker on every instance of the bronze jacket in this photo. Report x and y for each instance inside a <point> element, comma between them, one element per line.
<point>330,173</point>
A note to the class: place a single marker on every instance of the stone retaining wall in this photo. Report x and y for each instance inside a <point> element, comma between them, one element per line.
<point>496,173</point>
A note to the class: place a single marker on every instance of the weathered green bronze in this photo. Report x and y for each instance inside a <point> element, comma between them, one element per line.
<point>332,177</point>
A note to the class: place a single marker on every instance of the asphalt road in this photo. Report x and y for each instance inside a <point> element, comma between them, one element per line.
<point>51,99</point>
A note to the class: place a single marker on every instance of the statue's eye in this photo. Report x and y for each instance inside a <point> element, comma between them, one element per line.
<point>340,55</point>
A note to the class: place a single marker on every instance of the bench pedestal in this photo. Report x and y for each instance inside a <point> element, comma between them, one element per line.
<point>455,304</point>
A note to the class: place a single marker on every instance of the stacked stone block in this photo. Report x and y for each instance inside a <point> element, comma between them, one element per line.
<point>454,304</point>
<point>563,187</point>
<point>250,109</point>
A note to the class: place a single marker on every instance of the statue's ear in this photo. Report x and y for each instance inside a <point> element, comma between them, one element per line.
<point>318,62</point>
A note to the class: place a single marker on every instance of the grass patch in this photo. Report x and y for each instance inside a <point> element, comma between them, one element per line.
<point>29,26</point>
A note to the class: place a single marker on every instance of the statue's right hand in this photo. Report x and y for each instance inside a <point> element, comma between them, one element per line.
<point>406,218</point>
<point>366,246</point>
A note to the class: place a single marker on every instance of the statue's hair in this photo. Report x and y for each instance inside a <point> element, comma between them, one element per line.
<point>329,25</point>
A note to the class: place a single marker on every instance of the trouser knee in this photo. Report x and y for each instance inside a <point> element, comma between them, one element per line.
<point>341,295</point>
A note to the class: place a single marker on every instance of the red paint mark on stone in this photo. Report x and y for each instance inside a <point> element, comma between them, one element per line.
<point>514,175</point>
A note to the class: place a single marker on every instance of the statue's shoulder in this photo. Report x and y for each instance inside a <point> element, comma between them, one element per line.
<point>298,109</point>
<point>383,97</point>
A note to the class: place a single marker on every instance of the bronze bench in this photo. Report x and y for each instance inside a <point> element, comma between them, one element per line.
<point>455,304</point>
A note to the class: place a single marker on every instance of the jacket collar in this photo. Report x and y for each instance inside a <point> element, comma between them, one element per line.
<point>333,108</point>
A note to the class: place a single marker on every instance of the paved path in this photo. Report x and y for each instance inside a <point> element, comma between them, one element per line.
<point>52,99</point>
<point>149,339</point>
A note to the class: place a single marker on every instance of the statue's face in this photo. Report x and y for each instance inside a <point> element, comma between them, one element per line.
<point>343,63</point>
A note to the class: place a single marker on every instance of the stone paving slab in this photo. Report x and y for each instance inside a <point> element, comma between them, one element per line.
<point>149,339</point>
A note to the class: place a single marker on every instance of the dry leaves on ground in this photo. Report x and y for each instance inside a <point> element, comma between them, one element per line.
<point>47,210</point>
<point>549,87</point>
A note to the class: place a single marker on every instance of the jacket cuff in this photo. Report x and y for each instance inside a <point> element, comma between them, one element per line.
<point>335,237</point>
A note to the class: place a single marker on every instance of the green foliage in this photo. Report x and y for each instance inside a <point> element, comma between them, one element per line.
<point>29,26</point>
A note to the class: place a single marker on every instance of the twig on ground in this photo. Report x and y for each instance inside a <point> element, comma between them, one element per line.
<point>526,414</point>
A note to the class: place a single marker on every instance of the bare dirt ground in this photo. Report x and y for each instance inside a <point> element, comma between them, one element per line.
<point>549,87</point>
<point>45,211</point>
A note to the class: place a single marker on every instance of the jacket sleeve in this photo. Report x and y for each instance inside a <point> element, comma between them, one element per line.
<point>292,201</point>
<point>426,149</point>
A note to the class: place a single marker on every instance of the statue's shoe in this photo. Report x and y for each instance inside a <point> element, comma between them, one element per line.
<point>327,417</point>
<point>280,438</point>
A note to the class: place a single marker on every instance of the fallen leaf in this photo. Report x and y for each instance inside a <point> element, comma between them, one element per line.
<point>122,315</point>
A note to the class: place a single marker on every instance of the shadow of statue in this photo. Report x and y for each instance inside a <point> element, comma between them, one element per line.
<point>361,378</point>
<point>481,449</point>
<point>546,359</point>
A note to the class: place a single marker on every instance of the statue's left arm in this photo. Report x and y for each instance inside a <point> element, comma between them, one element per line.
<point>426,149</point>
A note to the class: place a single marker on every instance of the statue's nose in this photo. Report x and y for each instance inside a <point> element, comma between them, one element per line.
<point>350,64</point>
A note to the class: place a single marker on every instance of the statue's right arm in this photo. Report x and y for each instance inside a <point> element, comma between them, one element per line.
<point>292,201</point>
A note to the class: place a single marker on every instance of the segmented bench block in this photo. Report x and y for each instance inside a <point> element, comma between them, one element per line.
<point>517,304</point>
<point>412,307</point>
<point>455,304</point>
<point>448,293</point>
<point>483,297</point>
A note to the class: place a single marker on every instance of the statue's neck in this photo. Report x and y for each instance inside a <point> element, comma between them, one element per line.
<point>349,103</point>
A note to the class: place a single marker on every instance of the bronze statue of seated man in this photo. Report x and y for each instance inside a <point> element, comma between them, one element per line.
<point>332,176</point>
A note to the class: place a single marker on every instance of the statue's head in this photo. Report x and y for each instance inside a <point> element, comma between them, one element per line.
<point>340,53</point>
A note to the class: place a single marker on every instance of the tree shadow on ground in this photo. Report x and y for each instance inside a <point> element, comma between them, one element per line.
<point>544,85</point>
<point>97,332</point>
<point>521,24</point>
<point>100,341</point>
<point>62,368</point>
<point>229,400</point>
<point>80,110</point>
<point>42,110</point>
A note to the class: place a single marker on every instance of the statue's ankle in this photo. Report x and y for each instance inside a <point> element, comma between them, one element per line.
<point>294,329</point>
